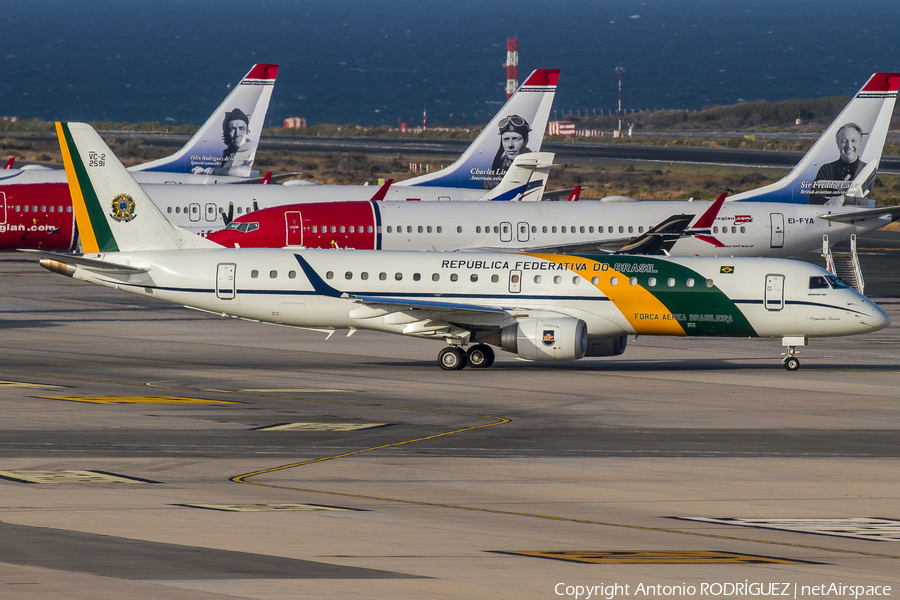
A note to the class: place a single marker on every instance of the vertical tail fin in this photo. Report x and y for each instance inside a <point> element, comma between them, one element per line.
<point>525,179</point>
<point>227,142</point>
<point>841,166</point>
<point>523,119</point>
<point>113,213</point>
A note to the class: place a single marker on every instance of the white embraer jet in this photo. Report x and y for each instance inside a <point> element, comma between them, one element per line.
<point>541,307</point>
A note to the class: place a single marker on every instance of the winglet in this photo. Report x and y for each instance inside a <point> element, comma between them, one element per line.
<point>575,195</point>
<point>382,191</point>
<point>319,285</point>
<point>707,219</point>
<point>267,179</point>
<point>10,162</point>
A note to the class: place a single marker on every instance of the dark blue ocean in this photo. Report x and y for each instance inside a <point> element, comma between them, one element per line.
<point>380,61</point>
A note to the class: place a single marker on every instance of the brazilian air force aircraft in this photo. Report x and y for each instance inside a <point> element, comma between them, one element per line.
<point>539,306</point>
<point>781,219</point>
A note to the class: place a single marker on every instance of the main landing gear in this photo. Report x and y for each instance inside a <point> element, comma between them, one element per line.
<point>454,358</point>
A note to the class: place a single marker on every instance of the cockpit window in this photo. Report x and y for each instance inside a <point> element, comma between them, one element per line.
<point>818,282</point>
<point>242,227</point>
<point>836,283</point>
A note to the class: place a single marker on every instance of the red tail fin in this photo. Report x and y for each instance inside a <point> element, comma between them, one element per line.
<point>575,195</point>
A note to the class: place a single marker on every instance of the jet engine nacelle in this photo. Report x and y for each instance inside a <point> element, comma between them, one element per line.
<point>546,338</point>
<point>611,346</point>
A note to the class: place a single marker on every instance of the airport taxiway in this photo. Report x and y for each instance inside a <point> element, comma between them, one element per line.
<point>138,458</point>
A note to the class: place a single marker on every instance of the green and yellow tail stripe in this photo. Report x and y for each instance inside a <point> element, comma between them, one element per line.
<point>93,227</point>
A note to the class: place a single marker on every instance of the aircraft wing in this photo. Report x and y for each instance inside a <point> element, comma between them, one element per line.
<point>554,195</point>
<point>93,264</point>
<point>859,215</point>
<point>258,180</point>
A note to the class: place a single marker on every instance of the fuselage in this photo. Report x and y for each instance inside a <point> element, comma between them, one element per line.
<point>743,228</point>
<point>613,295</point>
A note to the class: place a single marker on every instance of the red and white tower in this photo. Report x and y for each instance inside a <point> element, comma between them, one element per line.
<point>512,66</point>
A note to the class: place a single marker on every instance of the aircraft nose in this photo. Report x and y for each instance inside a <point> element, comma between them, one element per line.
<point>880,319</point>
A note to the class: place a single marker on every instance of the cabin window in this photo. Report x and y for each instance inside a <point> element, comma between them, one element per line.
<point>495,278</point>
<point>581,229</point>
<point>689,283</point>
<point>591,229</point>
<point>273,274</point>
<point>641,229</point>
<point>630,229</point>
<point>576,280</point>
<point>389,229</point>
<point>553,229</point>
<point>398,276</point>
<point>505,229</point>
<point>420,229</point>
<point>333,229</point>
<point>18,208</point>
<point>670,282</point>
<point>478,229</point>
<point>342,229</point>
<point>379,229</point>
<point>733,229</point>
<point>743,229</point>
<point>534,229</point>
<point>439,228</point>
<point>409,229</point>
<point>428,229</point>
<point>818,282</point>
<point>621,229</point>
<point>459,229</point>
<point>177,210</point>
<point>417,277</point>
<point>651,282</point>
<point>369,229</point>
<point>382,276</point>
<point>43,208</point>
<point>435,276</point>
<point>709,283</point>
<point>715,229</point>
<point>364,276</point>
<point>240,210</point>
<point>254,273</point>
<point>595,280</point>
<point>348,275</point>
<point>562,229</point>
<point>538,279</point>
<point>352,229</point>
<point>544,229</point>
<point>473,277</point>
<point>613,281</point>
<point>292,274</point>
<point>68,209</point>
<point>454,277</point>
<point>52,209</point>
<point>599,228</point>
<point>496,229</point>
<point>633,281</point>
<point>329,275</point>
<point>315,229</point>
<point>557,280</point>
<point>169,210</point>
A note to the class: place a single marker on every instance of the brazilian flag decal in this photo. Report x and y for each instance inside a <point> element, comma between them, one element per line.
<point>659,297</point>
<point>727,270</point>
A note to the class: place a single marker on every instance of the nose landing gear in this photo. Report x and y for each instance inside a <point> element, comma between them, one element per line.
<point>790,361</point>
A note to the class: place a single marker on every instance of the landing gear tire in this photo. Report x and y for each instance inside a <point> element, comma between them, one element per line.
<point>452,359</point>
<point>791,363</point>
<point>480,356</point>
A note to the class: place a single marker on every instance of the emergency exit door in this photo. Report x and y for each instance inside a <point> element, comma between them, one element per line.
<point>225,281</point>
<point>774,292</point>
<point>777,221</point>
<point>293,224</point>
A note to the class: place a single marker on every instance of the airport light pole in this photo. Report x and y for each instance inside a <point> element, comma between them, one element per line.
<point>619,111</point>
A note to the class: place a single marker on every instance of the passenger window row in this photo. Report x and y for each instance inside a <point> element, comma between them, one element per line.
<point>43,208</point>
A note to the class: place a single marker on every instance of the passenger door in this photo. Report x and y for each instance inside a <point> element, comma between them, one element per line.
<point>774,299</point>
<point>506,231</point>
<point>777,221</point>
<point>194,211</point>
<point>2,208</point>
<point>515,282</point>
<point>293,223</point>
<point>212,212</point>
<point>225,289</point>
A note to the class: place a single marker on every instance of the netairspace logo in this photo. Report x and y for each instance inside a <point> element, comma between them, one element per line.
<point>728,589</point>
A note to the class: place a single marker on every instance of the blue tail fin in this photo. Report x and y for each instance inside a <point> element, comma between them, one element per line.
<point>227,142</point>
<point>518,128</point>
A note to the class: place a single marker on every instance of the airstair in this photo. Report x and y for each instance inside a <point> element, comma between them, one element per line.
<point>845,265</point>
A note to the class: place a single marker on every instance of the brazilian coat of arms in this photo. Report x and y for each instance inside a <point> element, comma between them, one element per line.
<point>123,208</point>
